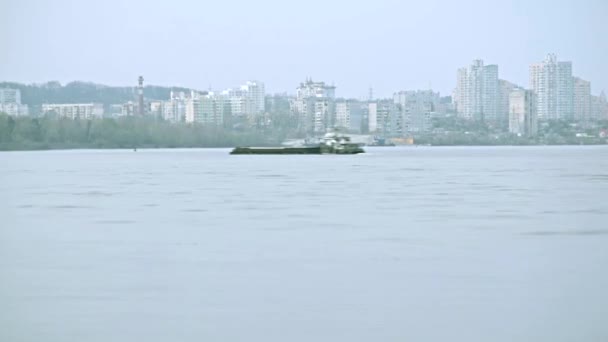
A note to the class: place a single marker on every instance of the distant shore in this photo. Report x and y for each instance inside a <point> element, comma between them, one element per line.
<point>52,133</point>
<point>67,147</point>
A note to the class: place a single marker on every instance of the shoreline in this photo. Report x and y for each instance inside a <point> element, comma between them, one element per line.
<point>148,148</point>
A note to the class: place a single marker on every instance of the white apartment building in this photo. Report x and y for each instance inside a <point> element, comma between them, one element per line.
<point>553,84</point>
<point>309,88</point>
<point>129,109</point>
<point>582,100</point>
<point>315,105</point>
<point>115,110</point>
<point>523,117</point>
<point>237,100</point>
<point>248,100</point>
<point>372,117</point>
<point>14,109</point>
<point>349,114</point>
<point>490,94</point>
<point>75,110</point>
<point>9,95</point>
<point>174,110</point>
<point>343,114</point>
<point>599,107</point>
<point>504,92</point>
<point>383,117</point>
<point>10,102</point>
<point>206,108</point>
<point>156,108</point>
<point>477,92</point>
<point>415,109</point>
<point>255,97</point>
<point>212,109</point>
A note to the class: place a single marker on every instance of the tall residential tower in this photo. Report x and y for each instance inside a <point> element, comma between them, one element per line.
<point>553,84</point>
<point>477,92</point>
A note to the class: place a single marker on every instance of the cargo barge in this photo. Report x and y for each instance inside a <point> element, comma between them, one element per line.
<point>331,143</point>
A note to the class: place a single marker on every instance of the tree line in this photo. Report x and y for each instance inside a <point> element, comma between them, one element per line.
<point>28,133</point>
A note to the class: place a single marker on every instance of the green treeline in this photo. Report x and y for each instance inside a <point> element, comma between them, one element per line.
<point>51,132</point>
<point>27,133</point>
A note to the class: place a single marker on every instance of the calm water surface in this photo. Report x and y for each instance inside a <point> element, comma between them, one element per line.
<point>399,244</point>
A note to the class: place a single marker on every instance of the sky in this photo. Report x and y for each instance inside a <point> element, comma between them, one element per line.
<point>389,45</point>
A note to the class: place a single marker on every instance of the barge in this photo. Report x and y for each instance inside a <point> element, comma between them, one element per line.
<point>332,143</point>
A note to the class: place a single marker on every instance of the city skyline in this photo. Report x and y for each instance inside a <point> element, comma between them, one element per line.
<point>526,83</point>
<point>389,46</point>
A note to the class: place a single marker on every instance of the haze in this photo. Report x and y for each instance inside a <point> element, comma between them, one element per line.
<point>390,45</point>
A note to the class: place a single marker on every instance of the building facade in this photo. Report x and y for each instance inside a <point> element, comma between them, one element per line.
<point>582,100</point>
<point>255,95</point>
<point>208,108</point>
<point>553,84</point>
<point>9,95</point>
<point>477,92</point>
<point>10,102</point>
<point>174,110</point>
<point>372,117</point>
<point>156,108</point>
<point>343,113</point>
<point>505,89</point>
<point>415,109</point>
<point>523,117</point>
<point>315,106</point>
<point>14,109</point>
<point>74,110</point>
<point>384,118</point>
<point>599,107</point>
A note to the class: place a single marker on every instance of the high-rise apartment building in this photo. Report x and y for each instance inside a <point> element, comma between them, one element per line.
<point>415,109</point>
<point>477,92</point>
<point>504,92</point>
<point>315,106</point>
<point>523,118</point>
<point>343,111</point>
<point>582,100</point>
<point>255,94</point>
<point>384,118</point>
<point>599,107</point>
<point>553,84</point>
<point>174,110</point>
<point>206,108</point>
<point>349,114</point>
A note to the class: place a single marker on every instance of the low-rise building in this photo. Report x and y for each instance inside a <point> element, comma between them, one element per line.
<point>74,110</point>
<point>156,108</point>
<point>115,110</point>
<point>14,109</point>
<point>10,95</point>
<point>10,102</point>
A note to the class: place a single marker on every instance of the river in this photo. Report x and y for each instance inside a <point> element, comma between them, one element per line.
<point>398,244</point>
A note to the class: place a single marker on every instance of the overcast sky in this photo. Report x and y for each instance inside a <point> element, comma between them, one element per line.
<point>389,44</point>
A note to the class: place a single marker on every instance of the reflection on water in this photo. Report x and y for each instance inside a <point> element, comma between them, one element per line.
<point>433,244</point>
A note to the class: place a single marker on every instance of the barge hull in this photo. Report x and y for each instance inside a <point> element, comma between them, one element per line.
<point>296,150</point>
<point>276,150</point>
